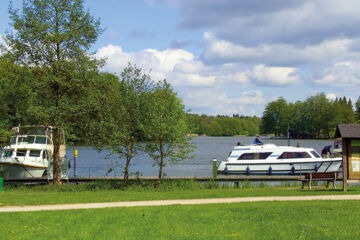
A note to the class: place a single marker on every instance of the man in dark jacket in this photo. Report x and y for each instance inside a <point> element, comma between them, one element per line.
<point>326,151</point>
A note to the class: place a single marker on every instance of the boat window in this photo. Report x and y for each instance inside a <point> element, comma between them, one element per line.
<point>21,153</point>
<point>315,154</point>
<point>254,156</point>
<point>287,155</point>
<point>8,153</point>
<point>22,140</point>
<point>34,153</point>
<point>12,140</point>
<point>41,140</point>
<point>30,139</point>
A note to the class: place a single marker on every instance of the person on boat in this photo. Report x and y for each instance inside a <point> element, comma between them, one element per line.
<point>326,151</point>
<point>257,141</point>
<point>298,144</point>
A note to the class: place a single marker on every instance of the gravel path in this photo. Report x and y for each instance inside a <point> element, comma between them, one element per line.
<point>32,208</point>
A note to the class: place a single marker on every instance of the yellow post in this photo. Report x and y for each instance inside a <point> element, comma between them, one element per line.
<point>75,160</point>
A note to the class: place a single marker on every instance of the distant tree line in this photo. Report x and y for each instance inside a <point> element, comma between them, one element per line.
<point>223,125</point>
<point>316,117</point>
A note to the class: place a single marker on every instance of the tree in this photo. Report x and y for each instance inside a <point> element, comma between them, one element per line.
<point>276,117</point>
<point>55,36</point>
<point>357,106</point>
<point>124,130</point>
<point>166,128</point>
<point>16,92</point>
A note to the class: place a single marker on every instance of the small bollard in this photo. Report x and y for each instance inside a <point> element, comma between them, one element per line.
<point>214,168</point>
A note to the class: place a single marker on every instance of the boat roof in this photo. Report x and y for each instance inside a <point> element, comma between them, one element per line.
<point>270,147</point>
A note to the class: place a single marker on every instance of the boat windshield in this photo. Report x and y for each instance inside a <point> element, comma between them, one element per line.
<point>40,139</point>
<point>315,154</point>
<point>27,139</point>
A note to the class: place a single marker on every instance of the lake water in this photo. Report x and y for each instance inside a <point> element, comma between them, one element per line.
<point>90,162</point>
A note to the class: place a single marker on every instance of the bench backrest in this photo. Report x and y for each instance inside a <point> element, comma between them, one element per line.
<point>321,175</point>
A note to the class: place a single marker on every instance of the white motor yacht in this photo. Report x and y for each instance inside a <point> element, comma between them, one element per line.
<point>30,152</point>
<point>271,159</point>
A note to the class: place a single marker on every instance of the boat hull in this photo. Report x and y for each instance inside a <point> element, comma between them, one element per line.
<point>21,171</point>
<point>279,168</point>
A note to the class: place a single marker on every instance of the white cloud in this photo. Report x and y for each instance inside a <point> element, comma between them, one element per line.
<point>215,102</point>
<point>219,51</point>
<point>341,74</point>
<point>280,21</point>
<point>201,86</point>
<point>331,96</point>
<point>275,75</point>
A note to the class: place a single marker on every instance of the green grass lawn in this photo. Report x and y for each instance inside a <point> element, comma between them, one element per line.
<point>260,220</point>
<point>110,192</point>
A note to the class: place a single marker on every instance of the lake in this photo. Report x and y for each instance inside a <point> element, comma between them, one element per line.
<point>93,163</point>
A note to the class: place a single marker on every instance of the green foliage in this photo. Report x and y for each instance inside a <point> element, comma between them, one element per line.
<point>316,117</point>
<point>357,107</point>
<point>123,130</point>
<point>166,127</point>
<point>223,125</point>
<point>16,91</point>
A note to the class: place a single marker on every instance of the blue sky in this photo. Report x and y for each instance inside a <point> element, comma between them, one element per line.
<point>230,56</point>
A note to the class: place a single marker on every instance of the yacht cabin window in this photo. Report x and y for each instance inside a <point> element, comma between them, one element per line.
<point>287,155</point>
<point>21,153</point>
<point>34,153</point>
<point>254,156</point>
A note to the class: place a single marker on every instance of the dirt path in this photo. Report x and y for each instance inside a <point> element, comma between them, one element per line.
<point>172,202</point>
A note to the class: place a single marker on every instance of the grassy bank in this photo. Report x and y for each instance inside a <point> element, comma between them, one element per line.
<point>112,191</point>
<point>261,220</point>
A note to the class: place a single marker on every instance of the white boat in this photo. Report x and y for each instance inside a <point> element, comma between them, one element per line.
<point>30,152</point>
<point>271,159</point>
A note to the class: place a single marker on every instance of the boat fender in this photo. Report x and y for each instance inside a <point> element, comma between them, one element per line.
<point>248,170</point>
<point>270,170</point>
<point>226,170</point>
<point>316,168</point>
<point>293,170</point>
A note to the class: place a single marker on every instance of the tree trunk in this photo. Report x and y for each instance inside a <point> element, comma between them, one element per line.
<point>161,162</point>
<point>128,158</point>
<point>56,157</point>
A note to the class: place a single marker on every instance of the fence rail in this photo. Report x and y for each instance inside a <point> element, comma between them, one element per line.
<point>219,178</point>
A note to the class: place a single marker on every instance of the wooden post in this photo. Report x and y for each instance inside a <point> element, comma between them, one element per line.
<point>345,155</point>
<point>214,168</point>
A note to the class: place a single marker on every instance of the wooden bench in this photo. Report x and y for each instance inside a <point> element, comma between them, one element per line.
<point>320,176</point>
